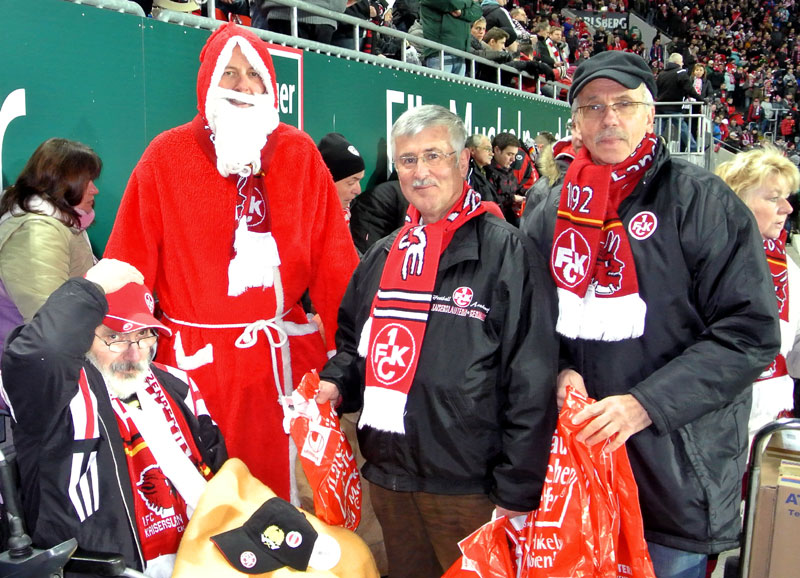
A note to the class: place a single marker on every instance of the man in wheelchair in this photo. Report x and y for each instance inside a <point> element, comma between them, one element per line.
<point>113,450</point>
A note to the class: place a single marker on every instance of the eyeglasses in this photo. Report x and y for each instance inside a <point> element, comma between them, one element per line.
<point>431,159</point>
<point>122,345</point>
<point>487,149</point>
<point>623,109</point>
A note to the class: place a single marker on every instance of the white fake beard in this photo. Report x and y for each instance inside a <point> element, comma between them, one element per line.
<point>122,387</point>
<point>240,132</point>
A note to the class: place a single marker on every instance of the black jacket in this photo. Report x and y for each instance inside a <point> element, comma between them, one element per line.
<point>377,213</point>
<point>481,410</point>
<point>711,328</point>
<point>478,181</point>
<point>498,16</point>
<point>673,84</point>
<point>41,365</point>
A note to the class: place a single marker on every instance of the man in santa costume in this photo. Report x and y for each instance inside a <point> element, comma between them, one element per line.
<point>230,218</point>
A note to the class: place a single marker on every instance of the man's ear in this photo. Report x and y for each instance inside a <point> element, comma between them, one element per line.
<point>463,162</point>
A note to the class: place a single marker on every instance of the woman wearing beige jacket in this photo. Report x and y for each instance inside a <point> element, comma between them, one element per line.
<point>43,217</point>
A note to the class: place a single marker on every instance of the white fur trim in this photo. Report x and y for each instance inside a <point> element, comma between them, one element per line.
<point>255,262</point>
<point>363,342</point>
<point>201,357</point>
<point>570,313</point>
<point>612,318</point>
<point>383,410</point>
<point>600,318</point>
<point>252,57</point>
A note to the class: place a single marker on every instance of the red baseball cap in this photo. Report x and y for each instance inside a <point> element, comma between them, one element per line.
<point>131,309</point>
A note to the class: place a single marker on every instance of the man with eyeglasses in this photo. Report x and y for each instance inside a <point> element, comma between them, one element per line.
<point>113,450</point>
<point>480,155</point>
<point>665,312</point>
<point>446,344</point>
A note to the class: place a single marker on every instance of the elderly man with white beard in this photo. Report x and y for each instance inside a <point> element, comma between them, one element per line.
<point>113,450</point>
<point>231,217</point>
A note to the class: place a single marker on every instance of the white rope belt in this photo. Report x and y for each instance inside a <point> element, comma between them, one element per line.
<point>249,336</point>
<point>276,330</point>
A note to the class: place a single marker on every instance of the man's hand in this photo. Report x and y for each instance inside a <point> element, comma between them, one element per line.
<point>327,392</point>
<point>568,377</point>
<point>112,275</point>
<point>455,13</point>
<point>616,418</point>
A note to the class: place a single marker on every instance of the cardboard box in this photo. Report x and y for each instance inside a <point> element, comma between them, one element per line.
<point>783,451</point>
<point>784,554</point>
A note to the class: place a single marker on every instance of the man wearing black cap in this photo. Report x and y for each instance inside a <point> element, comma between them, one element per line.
<point>346,166</point>
<point>113,450</point>
<point>665,312</point>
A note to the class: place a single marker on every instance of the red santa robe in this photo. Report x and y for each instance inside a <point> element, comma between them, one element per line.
<point>176,224</point>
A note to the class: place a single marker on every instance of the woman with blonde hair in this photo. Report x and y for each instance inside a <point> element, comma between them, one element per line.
<point>763,178</point>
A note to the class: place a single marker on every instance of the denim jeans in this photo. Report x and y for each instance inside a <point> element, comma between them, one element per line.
<point>672,563</point>
<point>454,64</point>
<point>676,127</point>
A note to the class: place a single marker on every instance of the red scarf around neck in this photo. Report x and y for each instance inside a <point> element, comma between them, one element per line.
<point>159,510</point>
<point>775,250</point>
<point>399,315</point>
<point>254,252</point>
<point>591,262</point>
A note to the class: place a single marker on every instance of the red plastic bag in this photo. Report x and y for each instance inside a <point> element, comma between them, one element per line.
<point>588,523</point>
<point>492,551</point>
<point>325,454</point>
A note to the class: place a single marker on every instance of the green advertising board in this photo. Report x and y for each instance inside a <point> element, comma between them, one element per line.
<point>114,81</point>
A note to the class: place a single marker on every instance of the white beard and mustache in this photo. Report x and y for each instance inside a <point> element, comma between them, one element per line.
<point>121,384</point>
<point>240,133</point>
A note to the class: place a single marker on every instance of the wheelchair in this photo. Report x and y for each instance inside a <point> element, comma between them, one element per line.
<point>20,559</point>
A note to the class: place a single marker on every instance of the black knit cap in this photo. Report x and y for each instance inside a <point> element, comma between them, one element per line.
<point>629,69</point>
<point>342,158</point>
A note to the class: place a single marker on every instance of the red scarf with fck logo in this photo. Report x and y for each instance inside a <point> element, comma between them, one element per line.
<point>399,315</point>
<point>254,254</point>
<point>591,262</point>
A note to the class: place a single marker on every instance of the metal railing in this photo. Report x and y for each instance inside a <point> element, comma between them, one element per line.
<point>502,71</point>
<point>688,133</point>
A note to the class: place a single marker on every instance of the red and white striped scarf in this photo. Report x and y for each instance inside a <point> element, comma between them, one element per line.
<point>591,261</point>
<point>775,250</point>
<point>399,314</point>
<point>160,510</point>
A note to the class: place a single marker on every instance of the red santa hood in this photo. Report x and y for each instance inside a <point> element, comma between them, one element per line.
<point>217,53</point>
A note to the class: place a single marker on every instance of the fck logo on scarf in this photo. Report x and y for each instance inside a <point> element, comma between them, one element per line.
<point>390,353</point>
<point>572,257</point>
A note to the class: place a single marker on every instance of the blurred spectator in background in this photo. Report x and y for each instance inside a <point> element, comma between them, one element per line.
<point>480,155</point>
<point>510,194</point>
<point>448,23</point>
<point>309,26</point>
<point>497,15</point>
<point>346,166</point>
